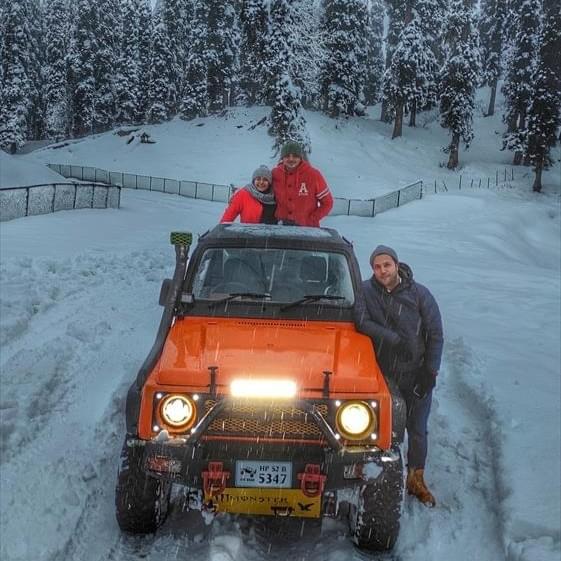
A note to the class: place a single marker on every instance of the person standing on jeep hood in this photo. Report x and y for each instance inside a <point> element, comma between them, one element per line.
<point>301,192</point>
<point>254,203</point>
<point>403,320</point>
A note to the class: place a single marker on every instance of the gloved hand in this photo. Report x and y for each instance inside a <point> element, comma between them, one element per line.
<point>403,350</point>
<point>425,382</point>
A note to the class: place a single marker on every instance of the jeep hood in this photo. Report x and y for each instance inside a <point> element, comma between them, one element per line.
<point>259,348</point>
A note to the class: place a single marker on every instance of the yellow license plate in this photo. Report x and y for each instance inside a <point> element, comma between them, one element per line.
<point>268,502</point>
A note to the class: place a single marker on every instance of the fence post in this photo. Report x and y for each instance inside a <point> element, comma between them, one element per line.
<point>150,187</point>
<point>95,175</point>
<point>512,173</point>
<point>398,197</point>
<point>373,208</point>
<point>212,193</point>
<point>348,207</point>
<point>196,189</point>
<point>53,201</point>
<point>92,198</point>
<point>497,178</point>
<point>460,185</point>
<point>27,202</point>
<point>164,184</point>
<point>488,182</point>
<point>75,195</point>
<point>82,167</point>
<point>505,174</point>
<point>479,187</point>
<point>435,185</point>
<point>471,184</point>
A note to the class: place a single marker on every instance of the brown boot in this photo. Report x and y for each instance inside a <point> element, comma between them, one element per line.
<point>416,486</point>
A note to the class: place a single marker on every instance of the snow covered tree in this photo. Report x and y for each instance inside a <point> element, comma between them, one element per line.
<point>161,86</point>
<point>144,56</point>
<point>172,14</point>
<point>308,50</point>
<point>410,78</point>
<point>35,71</point>
<point>194,102</point>
<point>57,17</point>
<point>16,85</point>
<point>459,77</point>
<point>491,32</point>
<point>129,86</point>
<point>374,54</point>
<point>105,63</point>
<point>287,120</point>
<point>544,114</point>
<point>81,61</point>
<point>398,13</point>
<point>521,66</point>
<point>221,54</point>
<point>344,72</point>
<point>253,41</point>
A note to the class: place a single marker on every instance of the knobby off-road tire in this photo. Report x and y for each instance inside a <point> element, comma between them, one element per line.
<point>141,501</point>
<point>374,522</point>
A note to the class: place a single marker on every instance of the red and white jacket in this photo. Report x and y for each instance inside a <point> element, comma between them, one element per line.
<point>302,194</point>
<point>242,204</point>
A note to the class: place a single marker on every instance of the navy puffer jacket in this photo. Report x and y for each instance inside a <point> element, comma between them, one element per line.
<point>409,313</point>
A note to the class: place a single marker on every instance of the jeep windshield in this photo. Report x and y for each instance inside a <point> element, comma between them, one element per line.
<point>288,277</point>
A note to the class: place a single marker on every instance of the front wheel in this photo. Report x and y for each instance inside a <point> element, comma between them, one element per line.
<point>374,522</point>
<point>141,501</point>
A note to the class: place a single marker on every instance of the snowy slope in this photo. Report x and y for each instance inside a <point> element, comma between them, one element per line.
<point>79,313</point>
<point>18,172</point>
<point>357,155</point>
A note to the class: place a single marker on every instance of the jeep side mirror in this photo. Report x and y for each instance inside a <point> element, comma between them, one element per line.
<point>164,291</point>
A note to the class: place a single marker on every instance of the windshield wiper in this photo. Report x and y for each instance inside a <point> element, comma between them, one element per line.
<point>310,298</point>
<point>235,295</point>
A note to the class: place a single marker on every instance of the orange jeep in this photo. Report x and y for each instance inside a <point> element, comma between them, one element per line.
<point>258,395</point>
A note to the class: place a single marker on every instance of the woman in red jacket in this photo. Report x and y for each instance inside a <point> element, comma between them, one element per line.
<point>254,203</point>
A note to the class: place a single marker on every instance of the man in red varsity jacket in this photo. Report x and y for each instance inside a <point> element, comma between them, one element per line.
<point>301,192</point>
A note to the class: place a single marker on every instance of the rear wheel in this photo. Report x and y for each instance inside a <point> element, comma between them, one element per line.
<point>141,501</point>
<point>374,522</point>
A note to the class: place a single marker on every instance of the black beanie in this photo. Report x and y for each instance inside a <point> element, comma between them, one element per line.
<point>292,147</point>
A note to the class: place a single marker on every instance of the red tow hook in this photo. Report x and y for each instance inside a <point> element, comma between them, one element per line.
<point>312,481</point>
<point>214,479</point>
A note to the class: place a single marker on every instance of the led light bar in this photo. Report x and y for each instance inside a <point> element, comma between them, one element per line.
<point>281,389</point>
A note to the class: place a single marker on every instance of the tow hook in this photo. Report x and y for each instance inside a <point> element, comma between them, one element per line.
<point>214,479</point>
<point>312,481</point>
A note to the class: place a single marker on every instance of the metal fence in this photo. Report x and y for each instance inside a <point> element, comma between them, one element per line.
<point>502,178</point>
<point>17,202</point>
<point>223,193</point>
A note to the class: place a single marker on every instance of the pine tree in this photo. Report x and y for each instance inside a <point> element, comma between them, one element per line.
<point>144,56</point>
<point>344,72</point>
<point>410,79</point>
<point>374,55</point>
<point>287,120</point>
<point>21,109</point>
<point>308,51</point>
<point>35,71</point>
<point>398,13</point>
<point>491,31</point>
<point>221,53</point>
<point>56,88</point>
<point>521,66</point>
<point>253,40</point>
<point>161,87</point>
<point>544,114</point>
<point>194,102</point>
<point>129,85</point>
<point>81,61</point>
<point>172,14</point>
<point>459,77</point>
<point>105,62</point>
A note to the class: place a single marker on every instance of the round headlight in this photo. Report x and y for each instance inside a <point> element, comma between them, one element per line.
<point>355,420</point>
<point>178,411</point>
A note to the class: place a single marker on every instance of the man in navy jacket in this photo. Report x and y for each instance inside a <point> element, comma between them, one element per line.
<point>403,320</point>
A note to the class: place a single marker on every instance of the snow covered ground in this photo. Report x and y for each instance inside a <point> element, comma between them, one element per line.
<point>79,312</point>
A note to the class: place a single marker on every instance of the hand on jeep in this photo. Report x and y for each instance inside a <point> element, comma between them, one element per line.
<point>425,382</point>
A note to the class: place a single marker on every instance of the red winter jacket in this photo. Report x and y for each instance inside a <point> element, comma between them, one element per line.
<point>302,194</point>
<point>245,206</point>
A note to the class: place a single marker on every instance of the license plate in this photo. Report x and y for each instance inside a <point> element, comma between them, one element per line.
<point>268,502</point>
<point>263,474</point>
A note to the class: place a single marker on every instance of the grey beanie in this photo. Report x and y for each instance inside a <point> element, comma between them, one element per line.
<point>262,171</point>
<point>383,250</point>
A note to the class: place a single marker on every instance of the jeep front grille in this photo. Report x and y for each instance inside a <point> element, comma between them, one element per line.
<point>274,421</point>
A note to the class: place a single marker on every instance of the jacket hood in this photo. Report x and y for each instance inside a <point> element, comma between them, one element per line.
<point>405,272</point>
